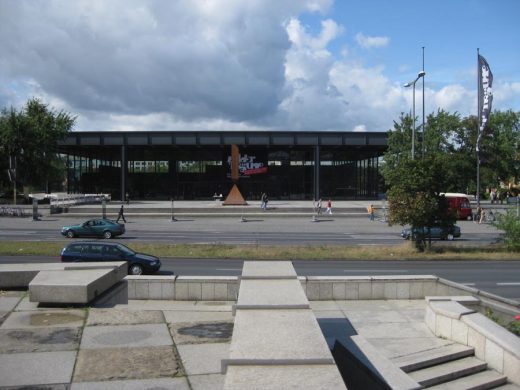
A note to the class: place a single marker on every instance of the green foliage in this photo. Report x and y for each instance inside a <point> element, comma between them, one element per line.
<point>510,224</point>
<point>31,135</point>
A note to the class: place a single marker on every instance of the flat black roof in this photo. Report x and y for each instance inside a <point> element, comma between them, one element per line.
<point>216,138</point>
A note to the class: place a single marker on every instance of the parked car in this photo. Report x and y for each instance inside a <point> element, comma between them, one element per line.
<point>138,263</point>
<point>105,228</point>
<point>436,232</point>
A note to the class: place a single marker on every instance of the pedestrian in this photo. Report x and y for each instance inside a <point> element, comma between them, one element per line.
<point>329,207</point>
<point>482,216</point>
<point>371,210</point>
<point>493,195</point>
<point>264,200</point>
<point>121,214</point>
<point>318,206</point>
<point>478,213</point>
<point>127,198</point>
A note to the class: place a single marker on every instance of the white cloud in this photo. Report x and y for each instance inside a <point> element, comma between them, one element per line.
<point>368,42</point>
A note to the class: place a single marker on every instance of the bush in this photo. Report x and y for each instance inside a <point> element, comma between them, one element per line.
<point>510,224</point>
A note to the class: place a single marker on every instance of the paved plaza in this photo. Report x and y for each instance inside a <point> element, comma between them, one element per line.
<point>148,344</point>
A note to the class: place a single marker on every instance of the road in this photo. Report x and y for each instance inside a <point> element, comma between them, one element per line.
<point>261,231</point>
<point>497,277</point>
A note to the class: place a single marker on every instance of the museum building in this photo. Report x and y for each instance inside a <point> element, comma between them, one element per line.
<point>192,165</point>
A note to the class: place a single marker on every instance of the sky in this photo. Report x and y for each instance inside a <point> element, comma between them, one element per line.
<point>255,64</point>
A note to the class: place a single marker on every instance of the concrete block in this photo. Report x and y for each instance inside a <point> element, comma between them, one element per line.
<point>429,288</point>
<point>443,327</point>
<point>271,294</point>
<point>512,367</point>
<point>306,377</point>
<point>459,332</point>
<point>232,291</point>
<point>378,290</point>
<point>220,291</point>
<point>494,355</point>
<point>325,291</point>
<point>403,290</point>
<point>313,291</point>
<point>338,291</point>
<point>417,290</point>
<point>352,291</point>
<point>268,270</point>
<point>194,291</point>
<point>270,336</point>
<point>208,291</point>
<point>142,289</point>
<point>72,286</point>
<point>365,290</point>
<point>131,288</point>
<point>478,342</point>
<point>442,290</point>
<point>168,290</point>
<point>155,290</point>
<point>430,318</point>
<point>181,291</point>
<point>390,290</point>
<point>450,309</point>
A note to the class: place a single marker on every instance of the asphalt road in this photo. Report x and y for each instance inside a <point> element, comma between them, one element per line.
<point>497,277</point>
<point>261,231</point>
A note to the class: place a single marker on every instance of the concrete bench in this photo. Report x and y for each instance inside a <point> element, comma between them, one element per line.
<point>76,284</point>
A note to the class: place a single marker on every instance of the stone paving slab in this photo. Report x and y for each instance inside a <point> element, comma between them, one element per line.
<point>396,347</point>
<point>203,358</point>
<point>144,335</point>
<point>202,332</point>
<point>25,369</point>
<point>272,294</point>
<point>124,317</point>
<point>271,335</point>
<point>9,303</point>
<point>268,270</point>
<point>39,340</point>
<point>393,330</point>
<point>207,382</point>
<point>311,377</point>
<point>126,363</point>
<point>3,316</point>
<point>193,316</point>
<point>48,318</point>
<point>198,306</point>
<point>141,384</point>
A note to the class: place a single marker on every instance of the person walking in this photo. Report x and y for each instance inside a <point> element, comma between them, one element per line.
<point>121,214</point>
<point>318,206</point>
<point>264,201</point>
<point>371,210</point>
<point>329,207</point>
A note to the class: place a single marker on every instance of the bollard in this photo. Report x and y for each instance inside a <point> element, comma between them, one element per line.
<point>104,208</point>
<point>173,219</point>
<point>35,216</point>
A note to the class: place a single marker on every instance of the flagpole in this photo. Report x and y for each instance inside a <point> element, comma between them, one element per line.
<point>477,146</point>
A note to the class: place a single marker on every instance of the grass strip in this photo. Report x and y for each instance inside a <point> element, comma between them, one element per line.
<point>404,251</point>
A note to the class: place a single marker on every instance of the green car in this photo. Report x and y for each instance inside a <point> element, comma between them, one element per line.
<point>105,228</point>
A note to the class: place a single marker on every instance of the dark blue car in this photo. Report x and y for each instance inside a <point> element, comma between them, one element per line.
<point>138,263</point>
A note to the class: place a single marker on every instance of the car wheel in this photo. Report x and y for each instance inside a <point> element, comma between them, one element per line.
<point>470,218</point>
<point>450,237</point>
<point>70,234</point>
<point>135,269</point>
<point>107,234</point>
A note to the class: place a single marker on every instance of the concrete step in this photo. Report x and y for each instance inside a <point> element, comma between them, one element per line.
<point>483,380</point>
<point>448,371</point>
<point>432,357</point>
<point>508,386</point>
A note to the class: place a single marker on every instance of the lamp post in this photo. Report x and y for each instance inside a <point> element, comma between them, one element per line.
<point>412,84</point>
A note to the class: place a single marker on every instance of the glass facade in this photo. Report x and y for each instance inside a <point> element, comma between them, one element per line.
<point>198,172</point>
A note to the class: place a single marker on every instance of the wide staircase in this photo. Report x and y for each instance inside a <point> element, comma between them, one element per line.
<point>452,367</point>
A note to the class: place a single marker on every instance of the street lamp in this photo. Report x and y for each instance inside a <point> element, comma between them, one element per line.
<point>422,73</point>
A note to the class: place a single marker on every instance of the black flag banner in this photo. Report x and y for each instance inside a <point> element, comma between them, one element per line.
<point>485,79</point>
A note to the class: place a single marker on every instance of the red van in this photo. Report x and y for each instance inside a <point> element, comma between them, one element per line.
<point>459,204</point>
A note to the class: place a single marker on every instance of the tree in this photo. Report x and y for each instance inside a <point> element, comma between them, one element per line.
<point>30,136</point>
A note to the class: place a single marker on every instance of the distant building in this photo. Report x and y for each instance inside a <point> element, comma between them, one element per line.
<point>196,164</point>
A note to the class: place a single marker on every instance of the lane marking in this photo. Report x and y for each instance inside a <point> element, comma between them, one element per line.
<point>509,284</point>
<point>227,269</point>
<point>378,270</point>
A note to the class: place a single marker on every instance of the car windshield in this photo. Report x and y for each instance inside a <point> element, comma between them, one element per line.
<point>125,249</point>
